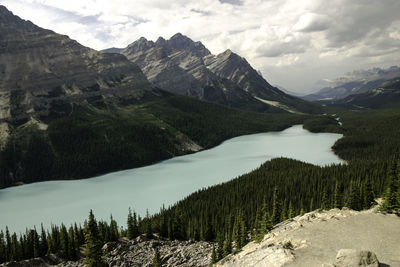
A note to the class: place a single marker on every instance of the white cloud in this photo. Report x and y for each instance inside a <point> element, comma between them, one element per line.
<point>310,22</point>
<point>294,43</point>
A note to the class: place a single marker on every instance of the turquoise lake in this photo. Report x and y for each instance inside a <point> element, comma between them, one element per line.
<point>163,183</point>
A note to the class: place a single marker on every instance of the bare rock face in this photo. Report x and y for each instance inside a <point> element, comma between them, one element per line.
<point>183,66</point>
<point>352,257</point>
<point>42,73</point>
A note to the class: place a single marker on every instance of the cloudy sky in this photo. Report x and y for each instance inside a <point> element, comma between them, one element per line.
<point>294,43</point>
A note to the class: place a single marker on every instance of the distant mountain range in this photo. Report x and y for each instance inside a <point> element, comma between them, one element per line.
<point>182,66</point>
<point>385,96</point>
<point>356,82</point>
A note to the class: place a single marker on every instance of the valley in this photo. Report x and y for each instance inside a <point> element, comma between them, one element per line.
<point>163,143</point>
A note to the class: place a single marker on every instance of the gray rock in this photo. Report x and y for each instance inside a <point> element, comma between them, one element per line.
<point>43,73</point>
<point>353,258</point>
<point>183,66</point>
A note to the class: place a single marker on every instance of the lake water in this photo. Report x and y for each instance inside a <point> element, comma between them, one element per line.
<point>162,183</point>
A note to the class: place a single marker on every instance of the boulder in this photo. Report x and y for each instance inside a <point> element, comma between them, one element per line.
<point>352,257</point>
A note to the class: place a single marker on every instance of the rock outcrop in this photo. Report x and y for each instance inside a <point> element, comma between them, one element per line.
<point>352,257</point>
<point>315,239</point>
<point>139,252</point>
<point>183,66</point>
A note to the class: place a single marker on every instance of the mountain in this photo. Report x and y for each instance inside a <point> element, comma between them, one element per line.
<point>68,111</point>
<point>42,73</point>
<point>387,96</point>
<point>356,82</point>
<point>183,66</point>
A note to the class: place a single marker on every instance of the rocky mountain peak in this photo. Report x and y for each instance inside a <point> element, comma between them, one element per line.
<point>183,43</point>
<point>161,41</point>
<point>183,66</point>
<point>140,45</point>
<point>8,22</point>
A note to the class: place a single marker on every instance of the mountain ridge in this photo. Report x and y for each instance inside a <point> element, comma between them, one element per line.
<point>183,66</point>
<point>355,82</point>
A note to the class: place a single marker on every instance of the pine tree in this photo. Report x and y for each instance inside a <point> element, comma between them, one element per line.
<point>354,198</point>
<point>220,247</point>
<point>149,229</point>
<point>213,256</point>
<point>338,198</point>
<point>2,247</point>
<point>243,233</point>
<point>130,231</point>
<point>227,245</point>
<point>325,201</point>
<point>276,207</point>
<point>72,247</point>
<point>157,259</point>
<point>392,194</point>
<point>93,250</point>
<point>64,239</point>
<point>369,196</point>
<point>114,234</point>
<point>8,245</point>
<point>43,242</point>
<point>311,205</point>
<point>290,211</point>
<point>283,212</point>
<point>164,225</point>
<point>135,229</point>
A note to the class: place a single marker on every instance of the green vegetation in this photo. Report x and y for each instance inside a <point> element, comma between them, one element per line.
<point>157,259</point>
<point>247,207</point>
<point>93,243</point>
<point>91,141</point>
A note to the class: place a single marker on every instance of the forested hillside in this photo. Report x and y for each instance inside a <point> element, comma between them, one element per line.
<point>283,188</point>
<point>248,206</point>
<point>95,140</point>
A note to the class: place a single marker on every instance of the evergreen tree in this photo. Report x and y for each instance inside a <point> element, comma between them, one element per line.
<point>43,242</point>
<point>64,239</point>
<point>325,201</point>
<point>220,247</point>
<point>354,198</point>
<point>157,259</point>
<point>392,201</point>
<point>164,225</point>
<point>8,245</point>
<point>290,211</point>
<point>93,250</point>
<point>130,232</point>
<point>213,256</point>
<point>114,234</point>
<point>369,196</point>
<point>276,207</point>
<point>338,198</point>
<point>227,245</point>
<point>149,229</point>
<point>72,244</point>
<point>135,228</point>
<point>2,247</point>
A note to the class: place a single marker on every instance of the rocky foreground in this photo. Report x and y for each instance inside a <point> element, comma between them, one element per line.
<point>139,252</point>
<point>334,238</point>
<point>326,238</point>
